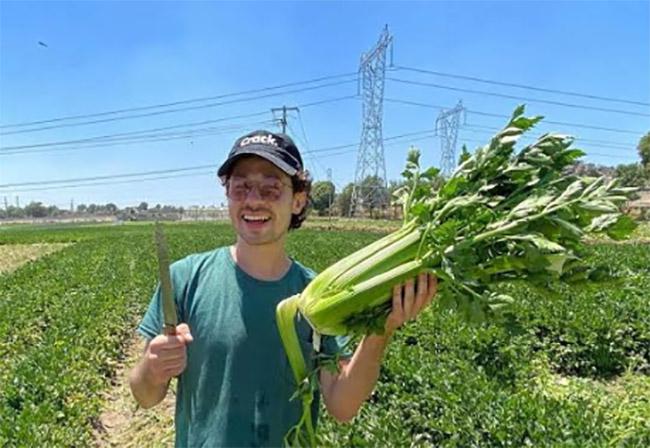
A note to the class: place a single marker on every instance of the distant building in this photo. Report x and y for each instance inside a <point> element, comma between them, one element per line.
<point>211,213</point>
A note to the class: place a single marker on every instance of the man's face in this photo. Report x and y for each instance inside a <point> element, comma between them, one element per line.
<point>261,201</point>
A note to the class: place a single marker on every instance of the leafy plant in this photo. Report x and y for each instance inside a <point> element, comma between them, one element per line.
<point>500,216</point>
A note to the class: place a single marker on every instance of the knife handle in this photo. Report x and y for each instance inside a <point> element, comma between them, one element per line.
<point>169,330</point>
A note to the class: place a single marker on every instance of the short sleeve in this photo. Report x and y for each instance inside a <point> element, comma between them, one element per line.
<point>151,323</point>
<point>332,345</point>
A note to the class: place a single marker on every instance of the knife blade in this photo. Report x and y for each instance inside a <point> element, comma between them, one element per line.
<point>170,319</point>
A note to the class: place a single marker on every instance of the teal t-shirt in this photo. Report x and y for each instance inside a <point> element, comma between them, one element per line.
<point>236,388</point>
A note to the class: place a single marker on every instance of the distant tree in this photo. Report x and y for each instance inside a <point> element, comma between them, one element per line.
<point>168,209</point>
<point>14,212</point>
<point>92,208</point>
<point>344,200</point>
<point>322,194</point>
<point>374,193</point>
<point>393,186</point>
<point>111,208</point>
<point>632,175</point>
<point>53,211</point>
<point>143,207</point>
<point>35,210</point>
<point>464,155</point>
<point>644,150</point>
<point>82,208</point>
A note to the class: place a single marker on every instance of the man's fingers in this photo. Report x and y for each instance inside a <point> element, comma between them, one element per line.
<point>169,356</point>
<point>433,288</point>
<point>183,332</point>
<point>174,367</point>
<point>422,290</point>
<point>398,309</point>
<point>183,328</point>
<point>409,296</point>
<point>174,342</point>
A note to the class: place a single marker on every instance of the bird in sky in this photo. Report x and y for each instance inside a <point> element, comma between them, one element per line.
<point>42,44</point>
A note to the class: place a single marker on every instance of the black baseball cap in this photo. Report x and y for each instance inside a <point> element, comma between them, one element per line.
<point>277,148</point>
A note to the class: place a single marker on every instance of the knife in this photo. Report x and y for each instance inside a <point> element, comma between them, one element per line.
<point>170,319</point>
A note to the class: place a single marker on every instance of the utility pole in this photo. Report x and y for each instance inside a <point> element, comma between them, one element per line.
<point>329,179</point>
<point>6,203</point>
<point>17,202</point>
<point>71,205</point>
<point>283,121</point>
<point>370,158</point>
<point>447,128</point>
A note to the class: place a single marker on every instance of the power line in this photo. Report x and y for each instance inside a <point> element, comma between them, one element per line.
<point>590,153</point>
<point>424,135</point>
<point>522,86</point>
<point>622,145</point>
<point>490,114</point>
<point>106,137</point>
<point>515,97</point>
<point>470,128</point>
<point>176,103</point>
<point>175,176</point>
<point>348,145</point>
<point>109,137</point>
<point>304,144</point>
<point>151,138</point>
<point>169,136</point>
<point>328,152</point>
<point>112,176</point>
<point>308,145</point>
<point>93,184</point>
<point>348,151</point>
<point>53,183</point>
<point>182,109</point>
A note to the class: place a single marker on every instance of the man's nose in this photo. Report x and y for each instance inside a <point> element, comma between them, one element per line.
<point>254,193</point>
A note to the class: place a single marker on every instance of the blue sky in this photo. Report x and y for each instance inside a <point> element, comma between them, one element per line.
<point>105,56</point>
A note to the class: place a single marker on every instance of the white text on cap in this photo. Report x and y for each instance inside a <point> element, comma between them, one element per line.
<point>264,139</point>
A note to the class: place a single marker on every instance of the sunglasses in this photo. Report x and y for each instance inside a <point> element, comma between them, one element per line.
<point>268,190</point>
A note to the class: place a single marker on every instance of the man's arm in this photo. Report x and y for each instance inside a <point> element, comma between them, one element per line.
<point>345,392</point>
<point>164,357</point>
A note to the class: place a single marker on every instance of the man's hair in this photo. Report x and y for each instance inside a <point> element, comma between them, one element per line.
<point>300,182</point>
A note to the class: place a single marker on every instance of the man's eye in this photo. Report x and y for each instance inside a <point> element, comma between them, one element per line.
<point>270,190</point>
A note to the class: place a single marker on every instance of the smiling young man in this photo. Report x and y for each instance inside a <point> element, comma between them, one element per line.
<point>235,381</point>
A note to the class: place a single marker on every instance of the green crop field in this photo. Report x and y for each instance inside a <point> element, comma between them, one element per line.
<point>571,368</point>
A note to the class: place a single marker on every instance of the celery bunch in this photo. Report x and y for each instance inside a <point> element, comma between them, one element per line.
<point>500,216</point>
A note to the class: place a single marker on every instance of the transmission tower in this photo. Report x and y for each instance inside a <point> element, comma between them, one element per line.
<point>447,129</point>
<point>370,158</point>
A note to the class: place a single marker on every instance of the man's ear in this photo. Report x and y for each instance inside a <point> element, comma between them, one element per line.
<point>299,202</point>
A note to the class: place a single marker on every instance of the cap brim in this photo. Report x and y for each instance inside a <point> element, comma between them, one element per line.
<point>256,150</point>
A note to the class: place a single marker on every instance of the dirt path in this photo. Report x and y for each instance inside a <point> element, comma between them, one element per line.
<point>12,256</point>
<point>122,423</point>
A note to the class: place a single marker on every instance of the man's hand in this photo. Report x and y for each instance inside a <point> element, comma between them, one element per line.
<point>410,299</point>
<point>344,392</point>
<point>166,356</point>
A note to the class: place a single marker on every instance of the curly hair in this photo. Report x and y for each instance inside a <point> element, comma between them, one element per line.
<point>301,182</point>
